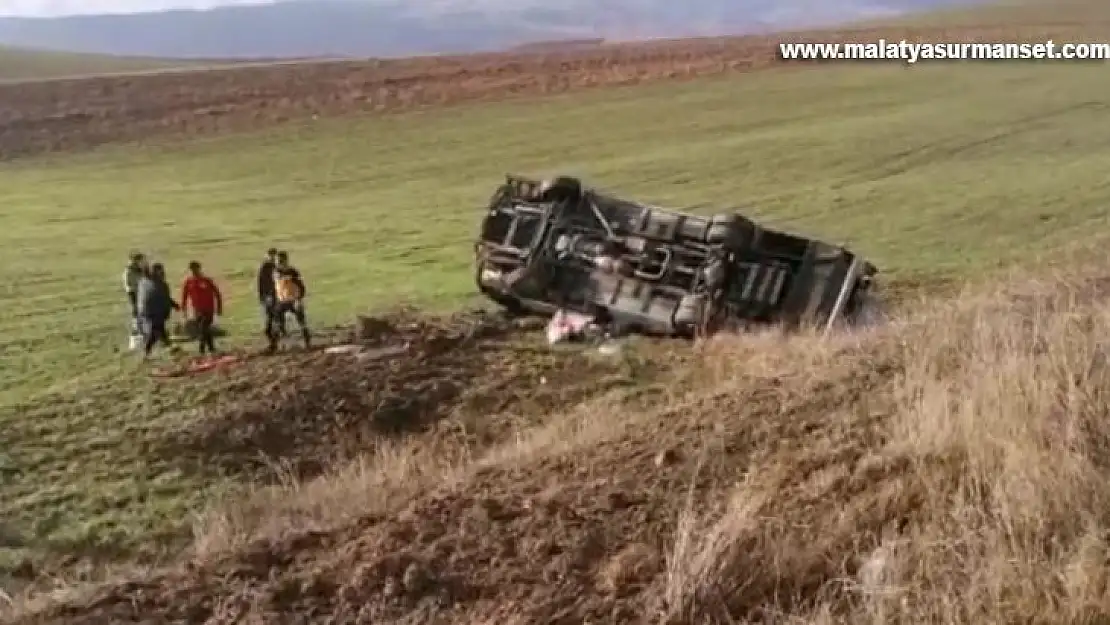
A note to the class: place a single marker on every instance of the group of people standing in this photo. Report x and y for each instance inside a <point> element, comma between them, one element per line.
<point>281,291</point>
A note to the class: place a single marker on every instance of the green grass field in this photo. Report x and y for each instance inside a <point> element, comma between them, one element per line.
<point>21,64</point>
<point>945,169</point>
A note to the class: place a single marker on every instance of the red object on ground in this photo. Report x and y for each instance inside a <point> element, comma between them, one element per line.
<point>199,365</point>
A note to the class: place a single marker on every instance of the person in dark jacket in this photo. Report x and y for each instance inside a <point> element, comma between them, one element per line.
<point>266,289</point>
<point>289,293</point>
<point>155,304</point>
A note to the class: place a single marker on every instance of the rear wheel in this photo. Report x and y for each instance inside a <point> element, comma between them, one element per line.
<point>729,230</point>
<point>690,312</point>
<point>561,188</point>
<point>866,309</point>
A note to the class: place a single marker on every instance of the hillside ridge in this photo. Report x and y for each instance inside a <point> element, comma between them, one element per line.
<point>390,28</point>
<point>42,117</point>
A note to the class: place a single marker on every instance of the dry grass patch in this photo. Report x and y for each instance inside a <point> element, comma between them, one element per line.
<point>376,484</point>
<point>987,499</point>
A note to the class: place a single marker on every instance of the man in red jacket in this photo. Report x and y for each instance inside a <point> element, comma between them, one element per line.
<point>200,291</point>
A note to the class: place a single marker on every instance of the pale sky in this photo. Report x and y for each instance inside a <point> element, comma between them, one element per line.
<point>45,8</point>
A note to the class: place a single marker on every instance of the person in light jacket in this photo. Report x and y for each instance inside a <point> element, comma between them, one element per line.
<point>132,274</point>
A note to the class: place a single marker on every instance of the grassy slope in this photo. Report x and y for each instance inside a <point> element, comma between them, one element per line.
<point>936,169</point>
<point>22,64</point>
<point>1091,14</point>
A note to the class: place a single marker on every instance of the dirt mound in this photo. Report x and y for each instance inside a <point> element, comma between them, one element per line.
<point>40,117</point>
<point>578,535</point>
<point>296,414</point>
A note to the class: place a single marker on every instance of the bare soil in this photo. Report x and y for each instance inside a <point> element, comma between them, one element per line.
<point>293,414</point>
<point>570,538</point>
<point>61,115</point>
<point>452,386</point>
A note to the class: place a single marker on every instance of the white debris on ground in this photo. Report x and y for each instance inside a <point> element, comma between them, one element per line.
<point>568,326</point>
<point>611,348</point>
<point>349,348</point>
<point>367,353</point>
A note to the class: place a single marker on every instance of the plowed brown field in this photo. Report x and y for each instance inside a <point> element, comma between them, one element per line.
<point>39,117</point>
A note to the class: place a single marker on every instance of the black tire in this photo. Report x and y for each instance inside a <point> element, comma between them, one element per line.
<point>499,196</point>
<point>713,318</point>
<point>726,230</point>
<point>864,309</point>
<point>690,312</point>
<point>561,188</point>
<point>715,274</point>
<point>512,305</point>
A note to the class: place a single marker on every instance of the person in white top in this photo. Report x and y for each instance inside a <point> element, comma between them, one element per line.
<point>132,274</point>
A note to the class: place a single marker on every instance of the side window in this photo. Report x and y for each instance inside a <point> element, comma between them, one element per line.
<point>526,229</point>
<point>761,283</point>
<point>496,226</point>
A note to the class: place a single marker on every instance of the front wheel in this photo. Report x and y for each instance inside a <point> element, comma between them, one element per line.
<point>867,310</point>
<point>560,188</point>
<point>499,196</point>
<point>511,304</point>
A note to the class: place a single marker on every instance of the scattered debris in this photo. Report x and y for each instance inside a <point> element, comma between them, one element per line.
<point>372,328</point>
<point>611,347</point>
<point>349,348</point>
<point>378,353</point>
<point>362,352</point>
<point>569,326</point>
<point>198,365</point>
